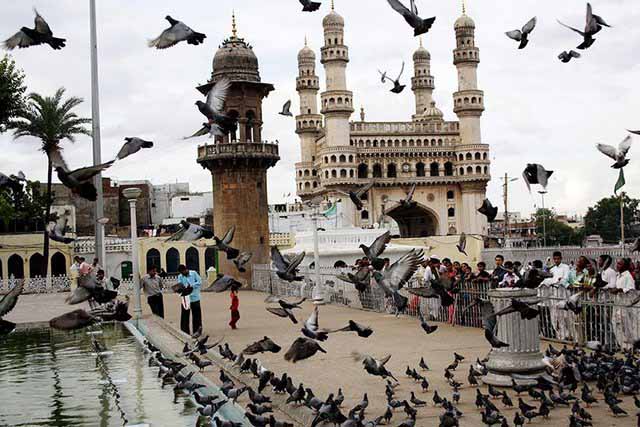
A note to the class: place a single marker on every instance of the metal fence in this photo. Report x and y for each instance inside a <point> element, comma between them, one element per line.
<point>604,317</point>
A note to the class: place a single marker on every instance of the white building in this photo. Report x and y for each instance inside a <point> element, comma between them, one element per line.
<point>192,205</point>
<point>161,200</point>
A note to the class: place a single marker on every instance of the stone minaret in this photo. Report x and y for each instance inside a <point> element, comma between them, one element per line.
<point>337,101</point>
<point>308,121</point>
<point>468,100</point>
<point>422,82</point>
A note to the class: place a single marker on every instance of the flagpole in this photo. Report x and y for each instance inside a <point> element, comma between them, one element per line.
<point>622,223</point>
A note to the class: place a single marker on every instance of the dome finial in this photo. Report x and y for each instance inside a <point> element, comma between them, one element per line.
<point>234,29</point>
<point>421,42</point>
<point>333,6</point>
<point>305,40</point>
<point>464,7</point>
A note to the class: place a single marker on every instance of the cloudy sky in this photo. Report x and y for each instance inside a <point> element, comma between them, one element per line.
<point>537,109</point>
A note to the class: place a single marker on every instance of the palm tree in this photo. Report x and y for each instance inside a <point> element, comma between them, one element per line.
<point>51,120</point>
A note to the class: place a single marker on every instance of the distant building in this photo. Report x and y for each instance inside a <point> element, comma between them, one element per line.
<point>161,200</point>
<point>192,205</point>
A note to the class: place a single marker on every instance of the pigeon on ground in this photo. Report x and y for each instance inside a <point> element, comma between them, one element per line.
<point>619,154</point>
<point>242,260</point>
<point>536,174</point>
<point>488,210</point>
<point>568,56</point>
<point>522,36</point>
<point>489,321</point>
<point>286,109</point>
<point>361,330</point>
<point>219,123</point>
<point>217,422</point>
<point>8,303</point>
<point>285,269</point>
<point>79,181</point>
<point>397,87</point>
<point>223,283</point>
<point>176,33</point>
<point>265,345</point>
<point>73,320</point>
<point>57,230</point>
<point>593,25</point>
<point>132,146</point>
<point>39,34</point>
<point>310,6</point>
<point>302,348</point>
<point>189,232</point>
<point>419,25</point>
<point>223,244</point>
<point>356,196</point>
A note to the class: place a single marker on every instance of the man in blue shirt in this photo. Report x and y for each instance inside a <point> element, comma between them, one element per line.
<point>190,278</point>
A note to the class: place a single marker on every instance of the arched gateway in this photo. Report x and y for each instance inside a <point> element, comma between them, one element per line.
<point>414,221</point>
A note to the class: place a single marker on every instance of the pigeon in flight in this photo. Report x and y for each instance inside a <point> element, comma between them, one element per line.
<point>462,244</point>
<point>568,56</point>
<point>361,279</point>
<point>283,312</point>
<point>242,260</point>
<point>522,36</point>
<point>593,25</point>
<point>223,283</point>
<point>219,123</point>
<point>397,87</point>
<point>310,6</point>
<point>536,174</point>
<point>488,210</point>
<point>636,246</point>
<point>312,329</point>
<point>8,303</point>
<point>57,230</point>
<point>425,326</point>
<point>408,202</point>
<point>374,366</point>
<point>419,25</point>
<point>176,33</point>
<point>78,180</point>
<point>376,249</point>
<point>133,145</point>
<point>287,270</point>
<point>361,330</point>
<point>40,34</point>
<point>619,154</point>
<point>73,320</point>
<point>397,275</point>
<point>489,321</point>
<point>223,245</point>
<point>302,348</point>
<point>356,196</point>
<point>635,132</point>
<point>286,109</point>
<point>263,346</point>
<point>190,232</point>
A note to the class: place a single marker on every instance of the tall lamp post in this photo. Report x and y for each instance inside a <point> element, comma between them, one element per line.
<point>132,195</point>
<point>507,180</point>
<point>318,290</point>
<point>544,219</point>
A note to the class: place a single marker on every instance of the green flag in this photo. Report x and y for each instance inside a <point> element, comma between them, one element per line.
<point>621,182</point>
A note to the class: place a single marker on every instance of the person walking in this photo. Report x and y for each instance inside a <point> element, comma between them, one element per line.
<point>621,315</point>
<point>235,308</point>
<point>152,284</point>
<point>190,279</point>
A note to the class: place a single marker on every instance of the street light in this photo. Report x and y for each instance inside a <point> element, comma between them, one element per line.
<point>318,290</point>
<point>544,219</point>
<point>132,195</point>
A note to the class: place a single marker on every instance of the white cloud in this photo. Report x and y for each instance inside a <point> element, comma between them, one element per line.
<point>538,109</point>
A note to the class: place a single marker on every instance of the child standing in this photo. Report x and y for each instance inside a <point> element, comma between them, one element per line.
<point>235,305</point>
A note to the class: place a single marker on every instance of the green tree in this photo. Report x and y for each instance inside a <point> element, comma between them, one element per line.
<point>52,120</point>
<point>557,232</point>
<point>12,90</point>
<point>604,219</point>
<point>22,207</point>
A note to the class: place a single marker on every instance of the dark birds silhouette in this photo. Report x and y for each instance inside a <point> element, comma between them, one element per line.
<point>568,56</point>
<point>361,279</point>
<point>132,146</point>
<point>176,33</point>
<point>488,210</point>
<point>285,269</point>
<point>310,6</point>
<point>408,201</point>
<point>79,181</point>
<point>518,420</point>
<point>8,303</point>
<point>219,123</point>
<point>489,322</point>
<point>189,232</point>
<point>286,109</point>
<point>428,329</point>
<point>265,345</point>
<point>619,155</point>
<point>593,25</point>
<point>419,25</point>
<point>536,174</point>
<point>362,331</point>
<point>635,132</point>
<point>39,34</point>
<point>525,309</point>
<point>302,348</point>
<point>76,319</point>
<point>522,36</point>
<point>223,245</point>
<point>417,402</point>
<point>356,196</point>
<point>223,283</point>
<point>397,87</point>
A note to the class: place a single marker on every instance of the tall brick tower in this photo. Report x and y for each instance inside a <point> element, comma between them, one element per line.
<point>239,162</point>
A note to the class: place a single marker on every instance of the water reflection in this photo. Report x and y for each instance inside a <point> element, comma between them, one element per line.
<point>50,378</point>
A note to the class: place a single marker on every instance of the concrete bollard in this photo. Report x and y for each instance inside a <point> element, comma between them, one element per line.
<point>522,360</point>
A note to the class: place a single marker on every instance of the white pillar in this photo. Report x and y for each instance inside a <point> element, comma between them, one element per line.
<point>132,194</point>
<point>318,290</point>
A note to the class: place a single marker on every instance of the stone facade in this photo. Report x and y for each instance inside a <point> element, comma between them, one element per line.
<point>445,159</point>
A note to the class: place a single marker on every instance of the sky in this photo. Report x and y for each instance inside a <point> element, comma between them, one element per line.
<point>538,110</point>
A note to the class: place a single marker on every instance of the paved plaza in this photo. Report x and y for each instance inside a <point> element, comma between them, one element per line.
<point>402,337</point>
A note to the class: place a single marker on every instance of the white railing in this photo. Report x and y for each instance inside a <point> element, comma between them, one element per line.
<point>87,245</point>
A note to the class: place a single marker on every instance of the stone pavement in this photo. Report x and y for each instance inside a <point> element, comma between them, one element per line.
<point>402,337</point>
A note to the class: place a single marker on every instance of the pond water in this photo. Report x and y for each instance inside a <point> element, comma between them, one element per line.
<point>52,378</point>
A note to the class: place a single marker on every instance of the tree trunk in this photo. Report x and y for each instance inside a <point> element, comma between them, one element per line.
<point>46,218</point>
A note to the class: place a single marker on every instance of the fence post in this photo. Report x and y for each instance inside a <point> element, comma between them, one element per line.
<point>523,357</point>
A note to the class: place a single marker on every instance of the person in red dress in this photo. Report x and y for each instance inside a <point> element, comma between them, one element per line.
<point>235,305</point>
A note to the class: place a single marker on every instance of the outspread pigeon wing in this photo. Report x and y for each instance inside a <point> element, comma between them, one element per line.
<point>278,260</point>
<point>12,296</point>
<point>217,94</point>
<point>296,262</point>
<point>364,189</point>
<point>228,237</point>
<point>515,35</point>
<point>529,26</point>
<point>380,244</point>
<point>607,150</point>
<point>401,69</point>
<point>625,145</point>
<point>571,28</point>
<point>41,25</point>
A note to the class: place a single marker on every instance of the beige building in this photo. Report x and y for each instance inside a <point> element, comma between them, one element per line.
<point>445,159</point>
<point>21,256</point>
